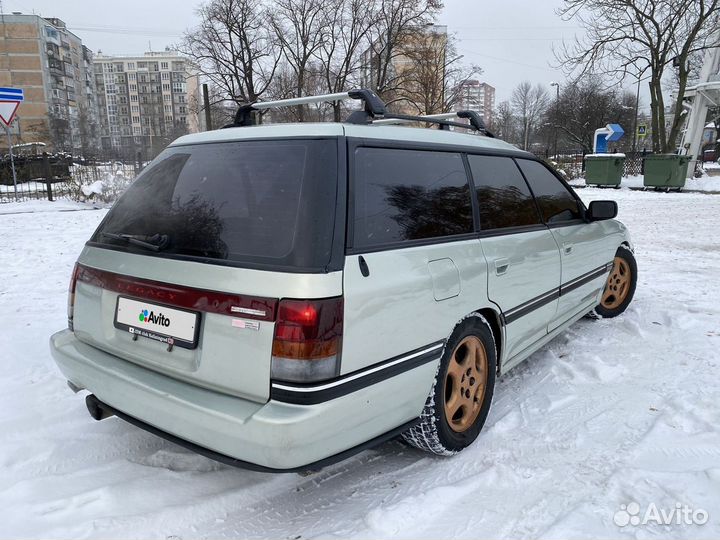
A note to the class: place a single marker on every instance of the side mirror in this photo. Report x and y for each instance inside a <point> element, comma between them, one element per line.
<point>600,210</point>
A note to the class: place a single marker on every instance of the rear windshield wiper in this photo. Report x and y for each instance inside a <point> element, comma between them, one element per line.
<point>154,242</point>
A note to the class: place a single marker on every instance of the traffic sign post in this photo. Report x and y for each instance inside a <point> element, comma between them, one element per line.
<point>10,99</point>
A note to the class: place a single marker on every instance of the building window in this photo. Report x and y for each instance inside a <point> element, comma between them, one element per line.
<point>166,87</point>
<point>165,76</point>
<point>133,87</point>
<point>131,66</point>
<point>164,65</point>
<point>135,109</point>
<point>135,119</point>
<point>132,76</point>
<point>183,110</point>
<point>167,97</point>
<point>134,97</point>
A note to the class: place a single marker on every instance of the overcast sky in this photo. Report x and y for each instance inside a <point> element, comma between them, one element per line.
<point>511,40</point>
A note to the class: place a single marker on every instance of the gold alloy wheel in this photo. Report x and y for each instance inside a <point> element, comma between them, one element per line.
<point>618,284</point>
<point>465,383</point>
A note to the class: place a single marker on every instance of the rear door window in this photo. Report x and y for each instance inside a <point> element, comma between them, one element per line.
<point>503,196</point>
<point>403,195</point>
<point>556,202</point>
<point>254,202</point>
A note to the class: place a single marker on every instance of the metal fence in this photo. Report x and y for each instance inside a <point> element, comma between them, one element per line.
<point>101,182</point>
<point>571,163</point>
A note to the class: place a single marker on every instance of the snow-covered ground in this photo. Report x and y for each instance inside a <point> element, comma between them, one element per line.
<point>611,413</point>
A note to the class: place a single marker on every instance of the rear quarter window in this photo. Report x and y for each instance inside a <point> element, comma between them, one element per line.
<point>405,195</point>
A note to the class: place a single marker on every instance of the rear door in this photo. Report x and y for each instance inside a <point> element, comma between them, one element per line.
<point>185,273</point>
<point>523,258</point>
<point>583,246</point>
<point>414,266</point>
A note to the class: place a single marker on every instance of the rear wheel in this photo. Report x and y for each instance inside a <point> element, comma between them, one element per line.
<point>460,399</point>
<point>620,285</point>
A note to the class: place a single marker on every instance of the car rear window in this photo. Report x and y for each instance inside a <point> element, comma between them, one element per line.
<point>256,203</point>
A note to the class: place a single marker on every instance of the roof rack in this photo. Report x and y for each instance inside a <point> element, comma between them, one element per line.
<point>442,119</point>
<point>373,106</point>
<point>374,111</point>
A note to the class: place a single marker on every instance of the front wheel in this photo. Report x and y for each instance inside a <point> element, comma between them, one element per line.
<point>459,401</point>
<point>620,285</point>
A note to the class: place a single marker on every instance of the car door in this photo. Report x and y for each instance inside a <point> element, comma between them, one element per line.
<point>521,252</point>
<point>414,266</point>
<point>583,246</point>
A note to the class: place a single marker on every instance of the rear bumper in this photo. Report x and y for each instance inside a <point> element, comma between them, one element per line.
<point>273,436</point>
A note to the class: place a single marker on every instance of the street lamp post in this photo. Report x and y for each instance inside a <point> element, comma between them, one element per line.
<point>557,113</point>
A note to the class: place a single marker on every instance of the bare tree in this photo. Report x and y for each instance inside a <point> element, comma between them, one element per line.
<point>431,82</point>
<point>340,53</point>
<point>529,104</point>
<point>504,122</point>
<point>301,27</point>
<point>629,37</point>
<point>585,105</point>
<point>234,48</point>
<point>395,20</point>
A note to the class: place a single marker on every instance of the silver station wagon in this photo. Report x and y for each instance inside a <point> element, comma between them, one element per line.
<point>278,297</point>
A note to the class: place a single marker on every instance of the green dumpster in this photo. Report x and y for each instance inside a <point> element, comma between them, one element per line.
<point>604,169</point>
<point>665,171</point>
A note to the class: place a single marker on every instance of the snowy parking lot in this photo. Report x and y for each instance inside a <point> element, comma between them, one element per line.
<point>611,413</point>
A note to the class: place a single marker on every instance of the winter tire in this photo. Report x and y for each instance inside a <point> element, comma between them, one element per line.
<point>620,285</point>
<point>460,399</point>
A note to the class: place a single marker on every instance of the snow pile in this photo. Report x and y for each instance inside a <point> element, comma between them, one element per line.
<point>96,188</point>
<point>98,184</point>
<point>611,413</point>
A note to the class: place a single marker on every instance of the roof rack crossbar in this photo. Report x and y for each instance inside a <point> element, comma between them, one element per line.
<point>373,105</point>
<point>442,119</point>
<point>391,119</point>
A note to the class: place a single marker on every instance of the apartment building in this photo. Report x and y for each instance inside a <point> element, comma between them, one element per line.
<point>50,63</point>
<point>145,101</point>
<point>477,96</point>
<point>416,77</point>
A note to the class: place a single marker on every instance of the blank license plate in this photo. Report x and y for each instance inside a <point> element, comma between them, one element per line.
<point>165,324</point>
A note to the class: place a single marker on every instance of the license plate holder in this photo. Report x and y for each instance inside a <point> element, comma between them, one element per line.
<point>165,324</point>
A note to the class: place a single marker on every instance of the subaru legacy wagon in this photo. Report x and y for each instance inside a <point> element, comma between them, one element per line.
<point>280,296</point>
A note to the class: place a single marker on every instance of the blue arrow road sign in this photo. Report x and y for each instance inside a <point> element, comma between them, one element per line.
<point>616,132</point>
<point>12,94</point>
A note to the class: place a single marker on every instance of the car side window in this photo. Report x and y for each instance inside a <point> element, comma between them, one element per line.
<point>556,202</point>
<point>503,196</point>
<point>404,195</point>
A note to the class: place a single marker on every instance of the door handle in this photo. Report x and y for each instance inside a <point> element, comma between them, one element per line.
<point>567,248</point>
<point>501,266</point>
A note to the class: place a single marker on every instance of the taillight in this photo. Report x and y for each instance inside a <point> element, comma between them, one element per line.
<point>71,295</point>
<point>308,340</point>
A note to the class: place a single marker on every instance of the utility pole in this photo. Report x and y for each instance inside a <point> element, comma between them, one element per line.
<point>557,113</point>
<point>12,160</point>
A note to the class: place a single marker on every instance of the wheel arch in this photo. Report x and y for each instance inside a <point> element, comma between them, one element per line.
<point>494,319</point>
